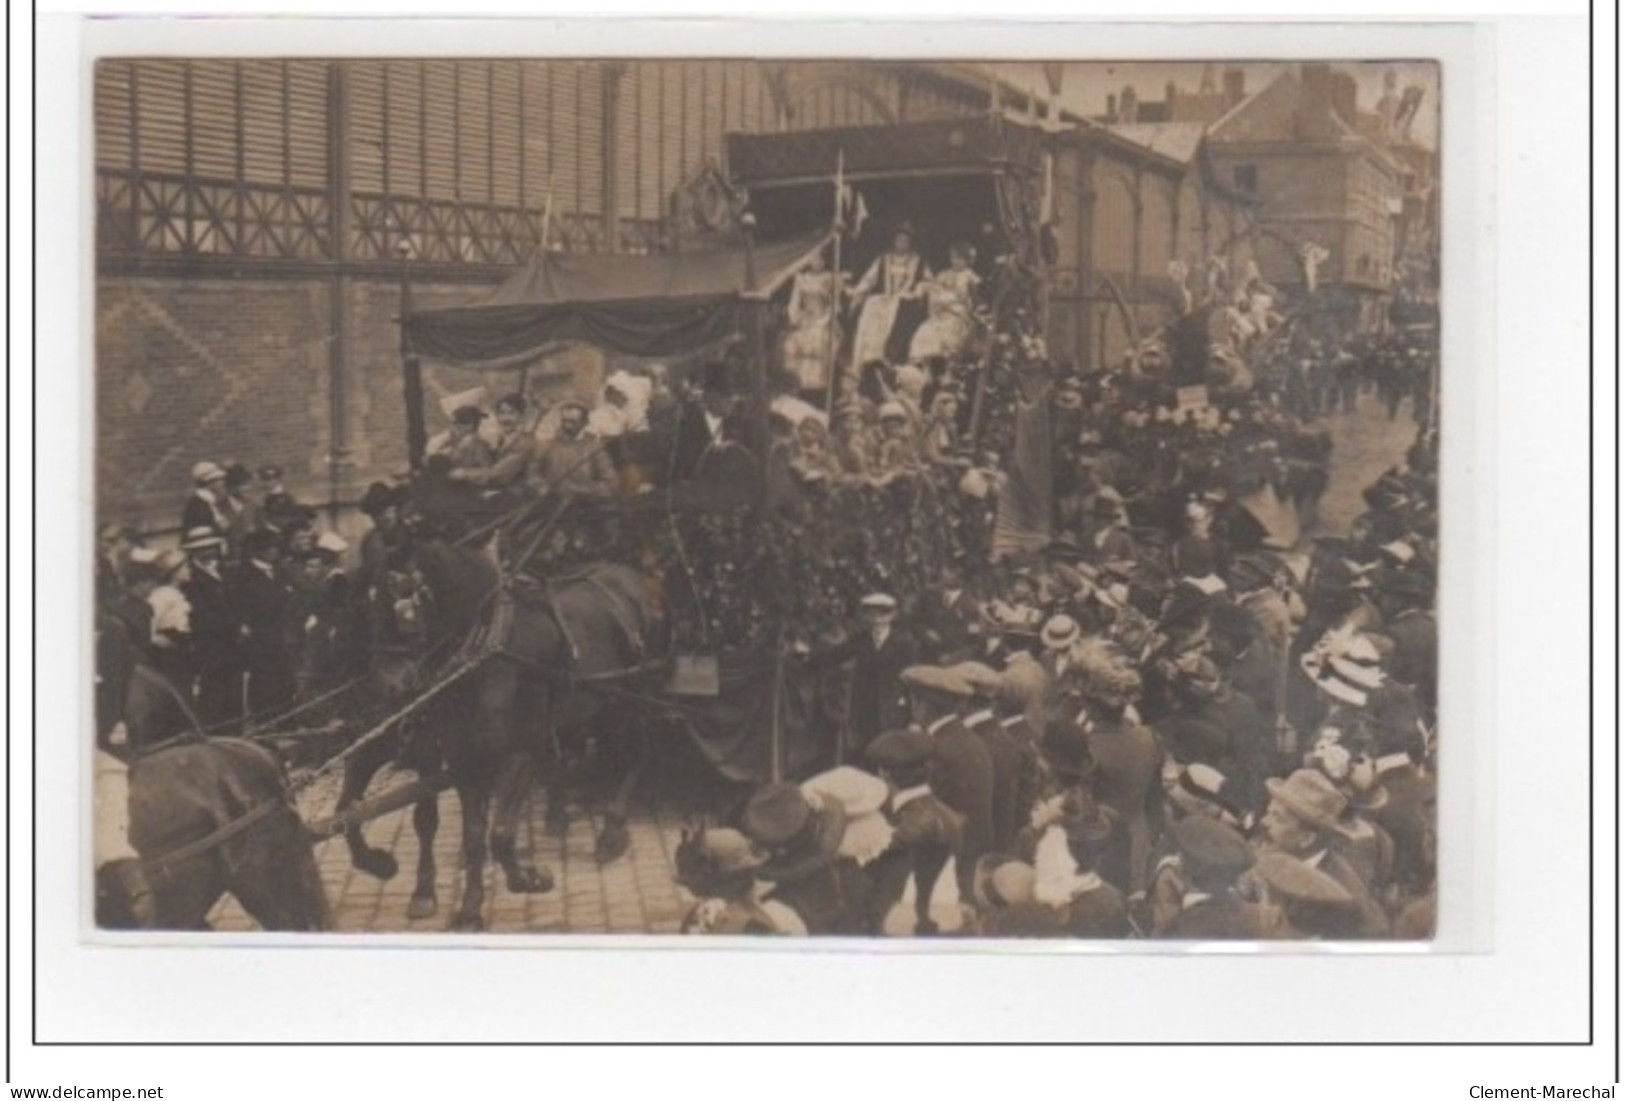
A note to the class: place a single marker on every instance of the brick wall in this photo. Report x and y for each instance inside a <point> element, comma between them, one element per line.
<point>190,369</point>
<point>240,370</point>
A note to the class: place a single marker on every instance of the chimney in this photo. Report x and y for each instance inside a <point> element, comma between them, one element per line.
<point>1131,105</point>
<point>1170,93</point>
<point>1235,86</point>
<point>1111,108</point>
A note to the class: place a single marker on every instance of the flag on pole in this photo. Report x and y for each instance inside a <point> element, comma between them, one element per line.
<point>850,210</point>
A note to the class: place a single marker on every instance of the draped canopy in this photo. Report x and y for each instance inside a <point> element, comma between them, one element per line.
<point>636,305</point>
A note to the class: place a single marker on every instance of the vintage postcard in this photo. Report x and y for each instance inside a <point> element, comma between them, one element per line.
<point>853,498</point>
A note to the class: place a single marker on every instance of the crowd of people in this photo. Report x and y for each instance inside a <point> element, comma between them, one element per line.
<point>253,610</point>
<point>1160,722</point>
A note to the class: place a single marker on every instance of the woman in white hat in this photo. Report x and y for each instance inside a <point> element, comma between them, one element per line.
<point>206,507</point>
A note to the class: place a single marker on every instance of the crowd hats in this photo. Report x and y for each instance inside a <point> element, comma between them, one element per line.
<point>201,538</point>
<point>893,411</point>
<point>1001,880</point>
<point>860,795</point>
<point>1060,632</point>
<point>205,472</point>
<point>1203,791</point>
<point>1311,797</point>
<point>1212,851</point>
<point>879,602</point>
<point>1314,902</point>
<point>803,832</point>
<point>984,680</point>
<point>1347,667</point>
<point>937,682</point>
<point>901,749</point>
<point>332,543</point>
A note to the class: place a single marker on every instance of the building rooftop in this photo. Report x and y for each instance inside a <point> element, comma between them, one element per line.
<point>1178,141</point>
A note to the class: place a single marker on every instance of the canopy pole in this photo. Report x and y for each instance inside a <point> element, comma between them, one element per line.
<point>417,432</point>
<point>836,285</point>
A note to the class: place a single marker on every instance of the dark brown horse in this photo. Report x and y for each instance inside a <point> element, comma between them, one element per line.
<point>215,817</point>
<point>544,647</point>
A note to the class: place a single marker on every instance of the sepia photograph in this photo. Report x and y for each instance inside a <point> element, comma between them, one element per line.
<point>730,497</point>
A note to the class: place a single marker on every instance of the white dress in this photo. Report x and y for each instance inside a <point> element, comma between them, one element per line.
<point>948,324</point>
<point>888,280</point>
<point>807,347</point>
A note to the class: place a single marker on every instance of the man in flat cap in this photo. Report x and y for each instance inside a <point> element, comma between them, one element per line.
<point>879,651</point>
<point>962,772</point>
<point>1004,753</point>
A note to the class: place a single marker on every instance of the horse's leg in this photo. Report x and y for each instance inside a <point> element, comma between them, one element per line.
<point>426,824</point>
<point>512,799</point>
<point>614,839</point>
<point>476,759</point>
<point>554,779</point>
<point>358,773</point>
<point>475,798</point>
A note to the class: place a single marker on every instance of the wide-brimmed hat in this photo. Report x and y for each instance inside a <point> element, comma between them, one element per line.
<point>934,680</point>
<point>879,602</point>
<point>1296,881</point>
<point>1208,847</point>
<point>1065,749</point>
<point>201,538</point>
<point>806,849</point>
<point>893,410</point>
<point>205,472</point>
<point>1326,678</point>
<point>858,792</point>
<point>1060,632</point>
<point>1310,796</point>
<point>1000,881</point>
<point>984,680</point>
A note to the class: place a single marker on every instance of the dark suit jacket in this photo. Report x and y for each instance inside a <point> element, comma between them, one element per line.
<point>878,700</point>
<point>926,832</point>
<point>1005,756</point>
<point>962,777</point>
<point>1227,918</point>
<point>196,513</point>
<point>216,626</point>
<point>265,604</point>
<point>1129,781</point>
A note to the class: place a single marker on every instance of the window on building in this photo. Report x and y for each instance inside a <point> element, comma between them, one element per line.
<point>1246,177</point>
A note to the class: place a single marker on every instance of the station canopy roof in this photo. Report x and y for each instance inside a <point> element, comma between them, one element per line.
<point>665,305</point>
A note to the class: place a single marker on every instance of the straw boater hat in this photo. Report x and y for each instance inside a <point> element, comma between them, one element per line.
<point>1346,668</point>
<point>1001,880</point>
<point>893,411</point>
<point>1202,790</point>
<point>1060,632</point>
<point>330,542</point>
<point>879,602</point>
<point>1311,797</point>
<point>201,538</point>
